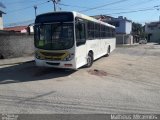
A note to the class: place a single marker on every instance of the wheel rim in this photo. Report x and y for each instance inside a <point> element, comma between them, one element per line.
<point>108,51</point>
<point>89,60</point>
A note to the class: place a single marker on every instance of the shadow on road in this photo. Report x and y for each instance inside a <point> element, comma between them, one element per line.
<point>29,72</point>
<point>157,44</point>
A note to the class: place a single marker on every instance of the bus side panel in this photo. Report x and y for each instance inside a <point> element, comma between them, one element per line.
<point>81,56</point>
<point>104,46</point>
<point>108,42</point>
<point>112,43</point>
<point>95,46</point>
<point>99,47</point>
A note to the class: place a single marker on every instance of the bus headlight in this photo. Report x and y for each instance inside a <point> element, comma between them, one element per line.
<point>69,57</point>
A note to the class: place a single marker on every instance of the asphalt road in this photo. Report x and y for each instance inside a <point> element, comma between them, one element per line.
<point>128,81</point>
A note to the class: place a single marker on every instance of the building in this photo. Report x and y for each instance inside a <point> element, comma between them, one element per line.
<point>1,15</point>
<point>123,28</point>
<point>152,30</point>
<point>1,19</point>
<point>20,29</point>
<point>122,24</point>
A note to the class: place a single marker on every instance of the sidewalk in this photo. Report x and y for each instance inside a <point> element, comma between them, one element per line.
<point>16,60</point>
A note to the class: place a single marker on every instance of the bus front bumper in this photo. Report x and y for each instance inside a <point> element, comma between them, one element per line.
<point>56,64</point>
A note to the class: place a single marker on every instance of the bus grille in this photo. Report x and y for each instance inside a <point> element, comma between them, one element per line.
<point>53,59</point>
<point>55,64</point>
<point>52,54</point>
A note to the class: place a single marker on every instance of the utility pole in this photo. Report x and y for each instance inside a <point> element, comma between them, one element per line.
<point>55,2</point>
<point>35,8</point>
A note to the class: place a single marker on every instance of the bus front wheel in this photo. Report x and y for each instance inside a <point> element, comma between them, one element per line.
<point>89,60</point>
<point>108,51</point>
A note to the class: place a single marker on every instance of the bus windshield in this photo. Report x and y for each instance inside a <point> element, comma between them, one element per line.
<point>54,36</point>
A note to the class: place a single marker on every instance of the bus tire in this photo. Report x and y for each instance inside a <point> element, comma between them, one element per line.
<point>108,51</point>
<point>1,56</point>
<point>89,60</point>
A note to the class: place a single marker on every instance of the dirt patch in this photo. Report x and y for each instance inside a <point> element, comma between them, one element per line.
<point>130,64</point>
<point>97,72</point>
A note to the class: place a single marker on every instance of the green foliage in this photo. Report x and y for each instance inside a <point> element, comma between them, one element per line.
<point>137,29</point>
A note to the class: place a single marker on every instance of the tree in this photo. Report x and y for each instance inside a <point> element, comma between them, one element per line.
<point>137,28</point>
<point>137,31</point>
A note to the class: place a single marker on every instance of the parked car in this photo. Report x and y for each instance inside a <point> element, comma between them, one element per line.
<point>143,41</point>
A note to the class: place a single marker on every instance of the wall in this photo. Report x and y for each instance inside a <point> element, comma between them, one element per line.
<point>1,22</point>
<point>125,27</point>
<point>155,31</point>
<point>128,26</point>
<point>124,39</point>
<point>155,37</point>
<point>16,45</point>
<point>121,28</point>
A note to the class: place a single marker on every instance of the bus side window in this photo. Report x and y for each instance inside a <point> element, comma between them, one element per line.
<point>80,33</point>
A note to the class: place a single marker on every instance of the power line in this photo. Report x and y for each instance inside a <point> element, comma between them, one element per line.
<point>155,7</point>
<point>133,11</point>
<point>28,21</point>
<point>76,6</point>
<point>138,4</point>
<point>66,5</point>
<point>22,1</point>
<point>113,3</point>
<point>55,2</point>
<point>18,10</point>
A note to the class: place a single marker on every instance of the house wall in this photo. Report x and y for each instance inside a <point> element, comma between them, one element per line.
<point>155,37</point>
<point>128,27</point>
<point>16,45</point>
<point>1,22</point>
<point>155,33</point>
<point>121,28</point>
<point>125,27</point>
<point>124,39</point>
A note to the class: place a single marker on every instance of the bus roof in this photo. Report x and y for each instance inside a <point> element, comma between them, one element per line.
<point>91,19</point>
<point>77,14</point>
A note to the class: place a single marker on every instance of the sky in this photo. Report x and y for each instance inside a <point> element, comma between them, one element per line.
<point>21,11</point>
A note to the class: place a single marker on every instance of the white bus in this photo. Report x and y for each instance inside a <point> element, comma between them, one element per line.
<point>71,40</point>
